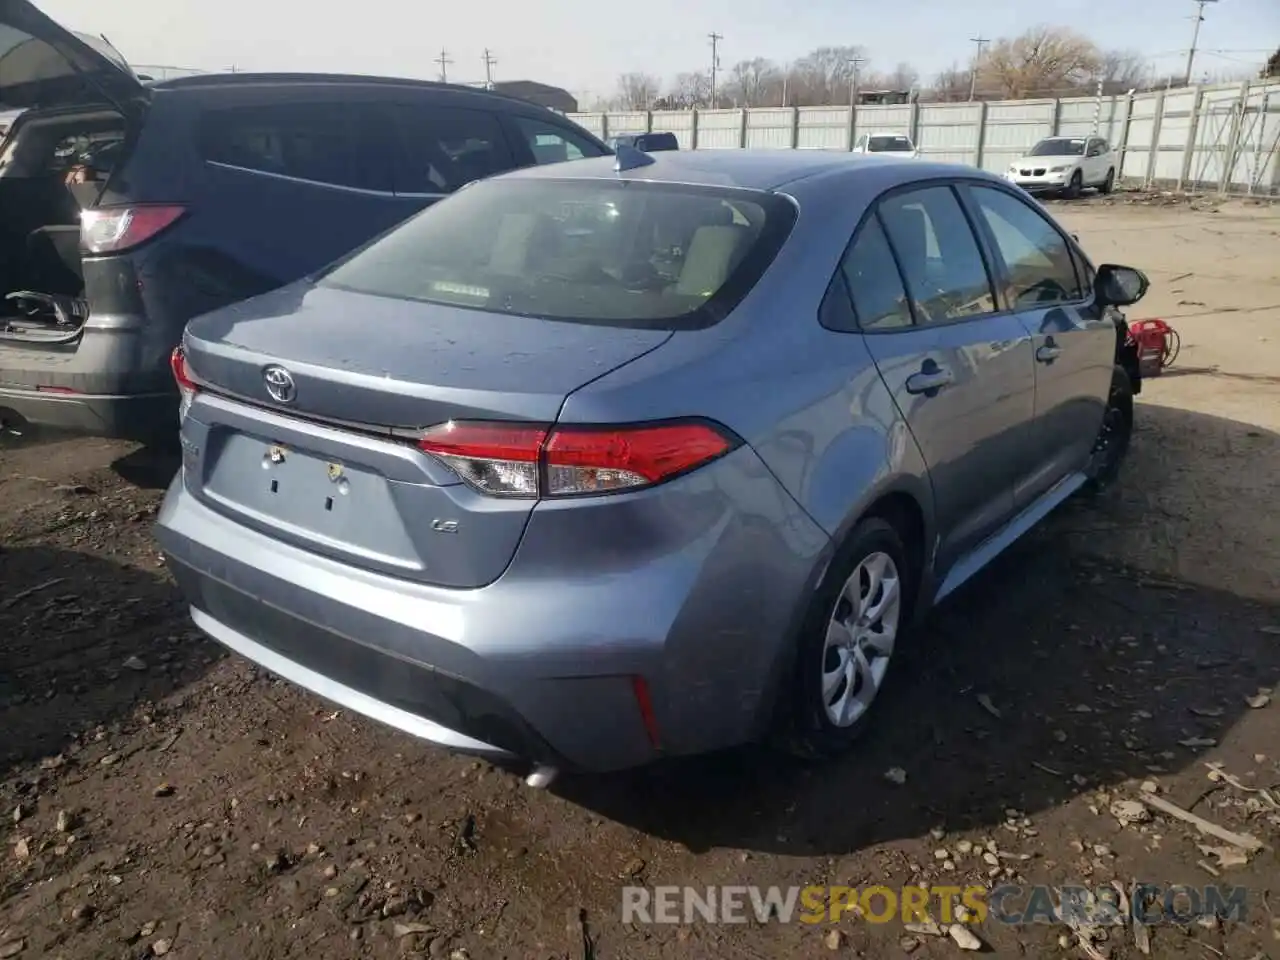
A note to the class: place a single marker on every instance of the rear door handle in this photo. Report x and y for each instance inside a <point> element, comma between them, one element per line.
<point>1048,353</point>
<point>930,381</point>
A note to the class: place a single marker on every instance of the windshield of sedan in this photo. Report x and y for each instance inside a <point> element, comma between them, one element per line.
<point>1058,147</point>
<point>887,143</point>
<point>597,251</point>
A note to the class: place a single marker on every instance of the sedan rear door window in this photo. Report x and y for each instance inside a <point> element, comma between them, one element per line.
<point>945,274</point>
<point>875,286</point>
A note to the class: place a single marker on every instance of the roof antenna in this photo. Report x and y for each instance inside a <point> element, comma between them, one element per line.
<point>629,158</point>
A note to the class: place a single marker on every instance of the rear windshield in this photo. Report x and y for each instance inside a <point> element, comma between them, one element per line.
<point>627,253</point>
<point>889,144</point>
<point>1058,147</point>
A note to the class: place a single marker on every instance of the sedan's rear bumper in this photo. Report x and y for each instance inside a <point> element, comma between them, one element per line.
<point>393,693</point>
<point>692,587</point>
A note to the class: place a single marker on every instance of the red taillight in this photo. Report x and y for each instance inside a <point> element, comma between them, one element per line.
<point>116,229</point>
<point>500,459</point>
<point>514,460</point>
<point>187,385</point>
<point>178,364</point>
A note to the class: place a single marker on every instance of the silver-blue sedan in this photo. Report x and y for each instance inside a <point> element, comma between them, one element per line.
<point>599,462</point>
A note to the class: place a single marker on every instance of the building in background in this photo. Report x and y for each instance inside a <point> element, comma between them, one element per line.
<point>540,93</point>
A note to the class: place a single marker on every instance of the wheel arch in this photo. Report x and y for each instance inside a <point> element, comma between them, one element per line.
<point>905,502</point>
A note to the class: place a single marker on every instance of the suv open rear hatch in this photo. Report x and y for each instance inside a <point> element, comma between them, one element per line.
<point>45,65</point>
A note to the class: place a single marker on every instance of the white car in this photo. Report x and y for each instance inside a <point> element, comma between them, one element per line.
<point>882,141</point>
<point>1065,165</point>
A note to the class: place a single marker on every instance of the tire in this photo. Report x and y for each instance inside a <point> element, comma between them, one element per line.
<point>814,733</point>
<point>1075,186</point>
<point>1108,184</point>
<point>1114,436</point>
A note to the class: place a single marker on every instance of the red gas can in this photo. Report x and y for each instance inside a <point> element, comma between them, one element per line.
<point>1157,345</point>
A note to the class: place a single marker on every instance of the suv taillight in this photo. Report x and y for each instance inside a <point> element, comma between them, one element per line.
<point>187,386</point>
<point>519,460</point>
<point>116,229</point>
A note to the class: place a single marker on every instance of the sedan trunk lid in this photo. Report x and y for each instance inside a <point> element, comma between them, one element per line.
<point>315,395</point>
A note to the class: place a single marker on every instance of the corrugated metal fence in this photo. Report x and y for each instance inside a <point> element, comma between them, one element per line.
<point>1217,137</point>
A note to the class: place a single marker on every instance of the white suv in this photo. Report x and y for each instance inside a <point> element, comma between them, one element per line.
<point>1065,165</point>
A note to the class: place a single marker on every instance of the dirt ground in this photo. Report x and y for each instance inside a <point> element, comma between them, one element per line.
<point>160,798</point>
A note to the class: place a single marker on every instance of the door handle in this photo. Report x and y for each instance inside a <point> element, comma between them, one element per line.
<point>930,381</point>
<point>1048,353</point>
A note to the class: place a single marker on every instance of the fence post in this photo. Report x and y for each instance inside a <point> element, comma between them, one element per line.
<point>1193,135</point>
<point>742,130</point>
<point>1057,116</point>
<point>693,131</point>
<point>1255,170</point>
<point>982,134</point>
<point>795,128</point>
<point>1154,153</point>
<point>1233,142</point>
<point>1123,148</point>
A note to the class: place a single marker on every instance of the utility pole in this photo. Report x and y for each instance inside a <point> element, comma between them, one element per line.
<point>1195,39</point>
<point>715,63</point>
<point>979,41</point>
<point>854,63</point>
<point>489,61</point>
<point>444,62</point>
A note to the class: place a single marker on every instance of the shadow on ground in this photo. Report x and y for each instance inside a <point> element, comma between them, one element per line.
<point>69,625</point>
<point>149,467</point>
<point>1100,672</point>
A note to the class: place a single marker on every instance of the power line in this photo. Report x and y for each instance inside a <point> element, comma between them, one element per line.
<point>1195,38</point>
<point>979,41</point>
<point>444,62</point>
<point>489,61</point>
<point>715,63</point>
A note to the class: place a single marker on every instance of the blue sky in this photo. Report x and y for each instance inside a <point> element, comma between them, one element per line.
<point>584,44</point>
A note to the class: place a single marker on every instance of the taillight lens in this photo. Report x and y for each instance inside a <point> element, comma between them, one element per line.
<point>515,460</point>
<point>187,386</point>
<point>116,229</point>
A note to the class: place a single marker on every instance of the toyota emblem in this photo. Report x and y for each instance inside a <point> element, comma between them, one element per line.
<point>279,383</point>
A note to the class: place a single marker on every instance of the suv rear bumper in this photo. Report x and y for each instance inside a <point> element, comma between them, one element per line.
<point>146,416</point>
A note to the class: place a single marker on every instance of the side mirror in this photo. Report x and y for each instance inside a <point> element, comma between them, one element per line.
<point>1116,286</point>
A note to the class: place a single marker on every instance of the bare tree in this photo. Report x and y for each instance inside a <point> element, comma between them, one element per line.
<point>1044,61</point>
<point>951,85</point>
<point>1272,67</point>
<point>902,77</point>
<point>689,91</point>
<point>1121,71</point>
<point>755,83</point>
<point>824,75</point>
<point>637,91</point>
